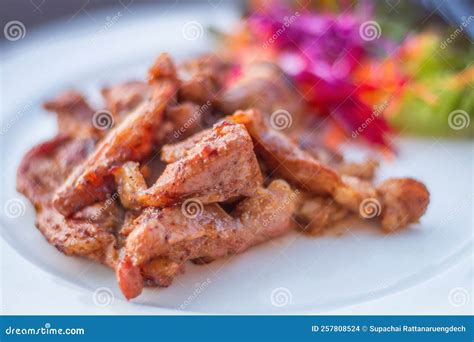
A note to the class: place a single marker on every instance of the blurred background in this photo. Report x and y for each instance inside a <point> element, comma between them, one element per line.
<point>374,67</point>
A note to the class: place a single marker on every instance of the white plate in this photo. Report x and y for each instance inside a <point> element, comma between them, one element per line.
<point>287,275</point>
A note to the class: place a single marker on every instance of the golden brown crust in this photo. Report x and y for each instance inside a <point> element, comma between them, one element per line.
<point>132,140</point>
<point>220,166</point>
<point>74,115</point>
<point>122,98</point>
<point>88,233</point>
<point>405,200</point>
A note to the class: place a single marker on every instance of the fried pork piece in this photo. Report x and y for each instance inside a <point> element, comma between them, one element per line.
<point>299,167</point>
<point>363,170</point>
<point>122,98</point>
<point>88,233</point>
<point>219,166</point>
<point>202,78</point>
<point>132,139</point>
<point>181,119</point>
<point>91,235</point>
<point>286,158</point>
<point>74,115</point>
<point>186,119</point>
<point>264,86</point>
<point>45,166</point>
<point>404,200</point>
<point>161,271</point>
<point>175,235</point>
<point>157,272</point>
<point>314,213</point>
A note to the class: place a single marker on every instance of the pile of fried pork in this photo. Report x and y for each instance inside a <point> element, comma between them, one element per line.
<point>193,167</point>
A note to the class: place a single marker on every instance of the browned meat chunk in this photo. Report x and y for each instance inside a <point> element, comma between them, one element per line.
<point>133,140</point>
<point>122,98</point>
<point>404,200</point>
<point>173,152</point>
<point>263,86</point>
<point>161,271</point>
<point>202,78</point>
<point>315,213</point>
<point>210,233</point>
<point>74,115</point>
<point>221,165</point>
<point>163,68</point>
<point>89,232</point>
<point>129,278</point>
<point>46,166</point>
<point>90,235</point>
<point>186,119</point>
<point>294,165</point>
<point>286,158</point>
<point>364,170</point>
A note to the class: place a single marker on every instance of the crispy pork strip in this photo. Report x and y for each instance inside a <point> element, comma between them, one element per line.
<point>264,86</point>
<point>202,78</point>
<point>365,170</point>
<point>220,166</point>
<point>314,213</point>
<point>161,271</point>
<point>88,233</point>
<point>46,166</point>
<point>186,119</point>
<point>299,167</point>
<point>132,140</point>
<point>181,119</point>
<point>122,98</point>
<point>74,115</point>
<point>171,153</point>
<point>211,233</point>
<point>286,158</point>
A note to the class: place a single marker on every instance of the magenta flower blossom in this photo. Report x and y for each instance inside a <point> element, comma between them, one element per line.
<point>321,52</point>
